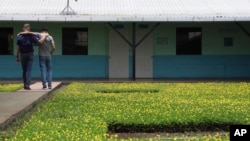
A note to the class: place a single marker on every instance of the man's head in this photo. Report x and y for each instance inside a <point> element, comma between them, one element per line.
<point>44,30</point>
<point>26,27</point>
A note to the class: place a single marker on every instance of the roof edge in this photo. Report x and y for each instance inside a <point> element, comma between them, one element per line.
<point>101,18</point>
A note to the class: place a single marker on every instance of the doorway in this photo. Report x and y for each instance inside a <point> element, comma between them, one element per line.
<point>118,55</point>
<point>144,52</point>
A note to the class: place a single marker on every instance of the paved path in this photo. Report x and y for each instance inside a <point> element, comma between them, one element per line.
<point>13,104</point>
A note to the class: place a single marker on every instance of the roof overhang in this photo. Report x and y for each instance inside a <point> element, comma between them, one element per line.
<point>125,10</point>
<point>117,18</point>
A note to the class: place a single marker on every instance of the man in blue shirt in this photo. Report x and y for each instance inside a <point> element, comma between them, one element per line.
<point>25,53</point>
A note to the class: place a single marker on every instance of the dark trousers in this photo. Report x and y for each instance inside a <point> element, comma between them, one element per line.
<point>27,61</point>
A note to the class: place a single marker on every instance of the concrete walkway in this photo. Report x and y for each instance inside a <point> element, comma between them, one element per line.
<point>14,104</point>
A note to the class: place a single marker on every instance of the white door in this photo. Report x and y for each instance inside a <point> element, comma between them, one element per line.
<point>144,52</point>
<point>118,55</point>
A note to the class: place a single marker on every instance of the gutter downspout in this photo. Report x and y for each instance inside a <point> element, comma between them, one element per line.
<point>134,50</point>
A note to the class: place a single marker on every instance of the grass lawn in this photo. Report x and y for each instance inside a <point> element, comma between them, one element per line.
<point>90,111</point>
<point>10,87</point>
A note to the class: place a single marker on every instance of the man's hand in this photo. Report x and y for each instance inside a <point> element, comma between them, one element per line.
<point>18,53</point>
<point>45,34</point>
<point>52,50</point>
<point>18,59</point>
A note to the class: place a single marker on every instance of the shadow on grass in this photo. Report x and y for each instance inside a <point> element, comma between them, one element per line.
<point>128,91</point>
<point>170,128</point>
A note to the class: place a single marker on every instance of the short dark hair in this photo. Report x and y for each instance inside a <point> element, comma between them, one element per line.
<point>26,25</point>
<point>45,29</point>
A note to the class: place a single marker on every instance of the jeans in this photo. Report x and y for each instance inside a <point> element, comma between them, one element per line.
<point>46,70</point>
<point>26,61</point>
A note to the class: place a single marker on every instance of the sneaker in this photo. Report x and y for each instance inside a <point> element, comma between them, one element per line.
<point>27,88</point>
<point>49,87</point>
<point>44,87</point>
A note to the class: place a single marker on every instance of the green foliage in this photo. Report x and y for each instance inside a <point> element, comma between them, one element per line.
<point>10,87</point>
<point>82,111</point>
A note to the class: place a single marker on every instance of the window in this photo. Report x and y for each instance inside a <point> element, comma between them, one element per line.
<point>188,41</point>
<point>6,40</point>
<point>228,42</point>
<point>75,41</point>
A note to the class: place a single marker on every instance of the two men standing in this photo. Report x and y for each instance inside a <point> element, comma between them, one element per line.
<point>25,41</point>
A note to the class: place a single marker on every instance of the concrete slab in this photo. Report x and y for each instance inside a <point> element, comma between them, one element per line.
<point>13,104</point>
<point>37,86</point>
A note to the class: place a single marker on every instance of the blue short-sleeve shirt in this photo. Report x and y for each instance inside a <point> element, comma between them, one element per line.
<point>25,43</point>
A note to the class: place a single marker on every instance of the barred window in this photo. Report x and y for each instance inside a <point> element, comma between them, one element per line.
<point>6,40</point>
<point>75,41</point>
<point>188,41</point>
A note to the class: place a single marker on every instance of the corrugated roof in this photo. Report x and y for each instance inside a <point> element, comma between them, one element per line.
<point>126,10</point>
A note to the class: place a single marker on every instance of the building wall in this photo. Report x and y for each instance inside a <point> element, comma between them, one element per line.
<point>212,38</point>
<point>93,65</point>
<point>216,60</point>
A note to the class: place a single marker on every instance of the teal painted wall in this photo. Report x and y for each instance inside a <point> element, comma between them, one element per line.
<point>93,65</point>
<point>97,34</point>
<point>216,60</point>
<point>213,35</point>
<point>165,30</point>
<point>89,66</point>
<point>207,66</point>
<point>98,39</point>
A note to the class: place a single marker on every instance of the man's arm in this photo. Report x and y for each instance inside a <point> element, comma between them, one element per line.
<point>53,48</point>
<point>43,37</point>
<point>25,33</point>
<point>18,54</point>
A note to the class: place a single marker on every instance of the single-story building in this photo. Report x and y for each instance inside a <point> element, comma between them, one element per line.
<point>132,39</point>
